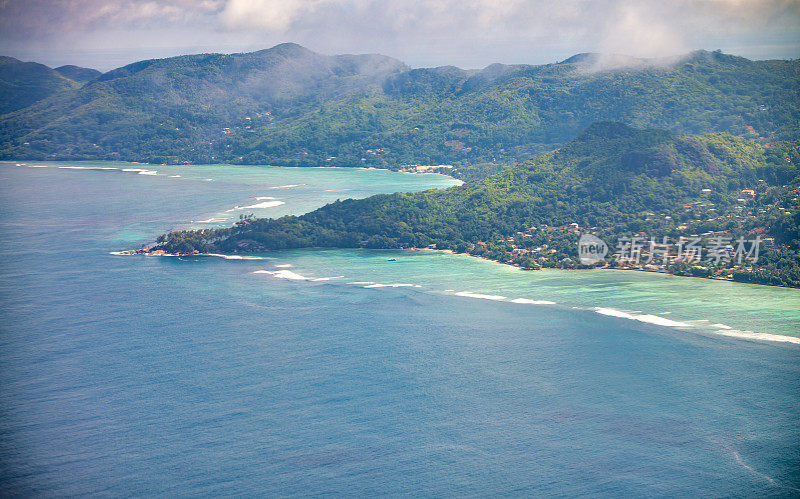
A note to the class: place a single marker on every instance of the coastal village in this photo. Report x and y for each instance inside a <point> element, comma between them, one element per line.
<point>719,252</point>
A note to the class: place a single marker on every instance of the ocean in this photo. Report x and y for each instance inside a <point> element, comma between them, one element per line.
<point>342,372</point>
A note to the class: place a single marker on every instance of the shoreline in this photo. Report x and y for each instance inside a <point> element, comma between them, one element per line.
<point>21,162</point>
<point>731,333</point>
<point>151,252</point>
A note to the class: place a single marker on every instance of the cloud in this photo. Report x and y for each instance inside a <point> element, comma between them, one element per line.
<point>273,15</point>
<point>643,27</point>
<point>423,32</point>
<point>48,17</point>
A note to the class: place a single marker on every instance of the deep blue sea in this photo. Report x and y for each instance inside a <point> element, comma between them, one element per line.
<point>340,373</point>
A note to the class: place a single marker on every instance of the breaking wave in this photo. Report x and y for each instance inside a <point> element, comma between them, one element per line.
<point>470,294</point>
<point>648,318</point>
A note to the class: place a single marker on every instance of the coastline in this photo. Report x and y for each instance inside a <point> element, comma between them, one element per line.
<point>158,252</point>
<point>651,315</point>
<point>21,162</point>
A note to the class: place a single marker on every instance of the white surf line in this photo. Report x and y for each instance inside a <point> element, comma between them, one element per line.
<point>283,274</point>
<point>527,301</point>
<point>723,329</point>
<point>236,257</point>
<point>264,204</point>
<point>752,335</point>
<point>648,318</point>
<point>87,168</point>
<point>519,301</point>
<point>469,294</point>
<point>140,171</point>
<point>402,285</point>
<point>294,276</point>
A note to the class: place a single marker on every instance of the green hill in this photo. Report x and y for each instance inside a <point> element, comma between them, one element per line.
<point>290,106</point>
<point>77,73</point>
<point>24,83</point>
<point>612,180</point>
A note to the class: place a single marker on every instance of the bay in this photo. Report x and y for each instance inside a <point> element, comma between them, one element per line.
<point>141,376</point>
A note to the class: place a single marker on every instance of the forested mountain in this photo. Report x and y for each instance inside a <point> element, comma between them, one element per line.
<point>23,83</point>
<point>612,180</point>
<point>290,106</point>
<point>77,73</point>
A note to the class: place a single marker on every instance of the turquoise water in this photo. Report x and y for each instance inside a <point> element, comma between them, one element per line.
<point>697,306</point>
<point>142,376</point>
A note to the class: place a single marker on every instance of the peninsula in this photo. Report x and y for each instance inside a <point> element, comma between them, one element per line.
<point>614,181</point>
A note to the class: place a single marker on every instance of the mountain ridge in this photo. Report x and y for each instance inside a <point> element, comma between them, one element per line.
<point>25,83</point>
<point>291,106</point>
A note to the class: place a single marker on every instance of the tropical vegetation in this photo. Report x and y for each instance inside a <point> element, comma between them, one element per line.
<point>613,181</point>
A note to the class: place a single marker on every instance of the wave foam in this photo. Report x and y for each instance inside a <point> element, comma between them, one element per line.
<point>265,204</point>
<point>284,265</point>
<point>140,171</point>
<point>752,335</point>
<point>236,257</point>
<point>470,294</point>
<point>526,301</point>
<point>648,318</point>
<point>378,285</point>
<point>287,186</point>
<point>86,168</point>
<point>283,274</point>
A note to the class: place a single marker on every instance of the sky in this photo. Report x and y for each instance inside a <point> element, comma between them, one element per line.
<point>105,34</point>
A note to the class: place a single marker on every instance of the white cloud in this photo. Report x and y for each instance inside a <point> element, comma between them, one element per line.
<point>423,32</point>
<point>643,27</point>
<point>274,15</point>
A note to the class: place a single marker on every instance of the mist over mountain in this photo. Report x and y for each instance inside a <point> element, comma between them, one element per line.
<point>290,106</point>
